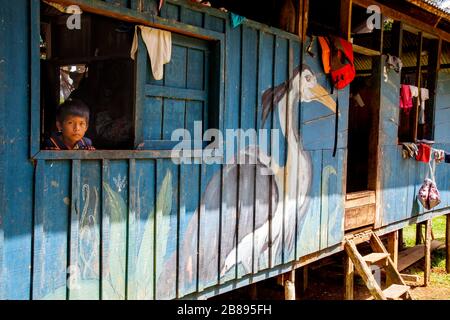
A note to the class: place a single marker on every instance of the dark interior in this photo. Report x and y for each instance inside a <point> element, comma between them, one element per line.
<point>92,64</point>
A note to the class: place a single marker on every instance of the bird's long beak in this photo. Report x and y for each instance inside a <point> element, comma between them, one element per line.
<point>324,97</point>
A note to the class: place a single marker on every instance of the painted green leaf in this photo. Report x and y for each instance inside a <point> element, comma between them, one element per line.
<point>117,241</point>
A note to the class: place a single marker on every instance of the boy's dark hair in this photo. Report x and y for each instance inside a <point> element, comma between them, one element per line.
<point>72,107</point>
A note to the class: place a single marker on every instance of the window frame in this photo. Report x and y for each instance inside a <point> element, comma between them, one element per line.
<point>129,15</point>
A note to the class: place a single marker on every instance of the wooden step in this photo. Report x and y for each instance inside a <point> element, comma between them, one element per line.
<point>375,257</point>
<point>395,291</point>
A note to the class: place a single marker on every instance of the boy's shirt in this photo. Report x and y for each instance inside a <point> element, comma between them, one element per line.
<point>55,143</point>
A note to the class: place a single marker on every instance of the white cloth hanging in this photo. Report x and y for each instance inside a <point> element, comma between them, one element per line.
<point>159,48</point>
<point>424,96</point>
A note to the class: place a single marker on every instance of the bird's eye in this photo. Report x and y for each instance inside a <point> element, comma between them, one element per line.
<point>308,77</point>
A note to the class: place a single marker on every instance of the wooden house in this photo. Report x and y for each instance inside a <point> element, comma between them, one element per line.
<point>133,220</point>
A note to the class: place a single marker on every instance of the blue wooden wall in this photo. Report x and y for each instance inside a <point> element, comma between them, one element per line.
<point>106,227</point>
<point>401,179</point>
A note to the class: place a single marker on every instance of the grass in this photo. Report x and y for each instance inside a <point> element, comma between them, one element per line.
<point>439,277</point>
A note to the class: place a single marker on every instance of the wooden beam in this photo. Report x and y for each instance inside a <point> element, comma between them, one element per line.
<point>397,15</point>
<point>418,83</point>
<point>349,275</point>
<point>447,244</point>
<point>393,251</point>
<point>427,270</point>
<point>345,22</point>
<point>305,18</point>
<point>300,19</point>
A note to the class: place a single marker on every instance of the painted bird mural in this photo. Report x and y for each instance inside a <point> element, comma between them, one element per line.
<point>290,184</point>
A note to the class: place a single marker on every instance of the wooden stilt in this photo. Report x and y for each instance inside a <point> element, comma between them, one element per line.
<point>253,292</point>
<point>427,270</point>
<point>289,286</point>
<point>393,251</point>
<point>447,245</point>
<point>349,273</point>
<point>418,233</point>
<point>400,240</point>
<point>305,278</point>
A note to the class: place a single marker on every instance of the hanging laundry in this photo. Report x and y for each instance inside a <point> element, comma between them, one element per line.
<point>236,19</point>
<point>424,96</point>
<point>439,155</point>
<point>447,157</point>
<point>414,93</point>
<point>424,154</point>
<point>410,150</point>
<point>406,101</point>
<point>159,48</point>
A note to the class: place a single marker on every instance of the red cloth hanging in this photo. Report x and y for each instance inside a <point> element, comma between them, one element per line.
<point>406,101</point>
<point>424,154</point>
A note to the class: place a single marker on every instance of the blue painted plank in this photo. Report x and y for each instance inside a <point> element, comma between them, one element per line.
<point>189,231</point>
<point>174,117</point>
<point>16,213</point>
<point>195,69</point>
<point>246,202</point>
<point>133,236</point>
<point>170,11</point>
<point>214,23</point>
<point>144,231</point>
<point>115,212</point>
<point>167,179</point>
<point>309,215</point>
<point>333,196</point>
<point>279,154</point>
<point>230,180</point>
<point>263,183</point>
<point>51,224</point>
<point>175,71</point>
<point>74,278</point>
<point>86,243</point>
<point>191,17</point>
<point>209,227</point>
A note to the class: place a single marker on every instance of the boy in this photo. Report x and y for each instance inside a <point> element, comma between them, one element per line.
<point>72,120</point>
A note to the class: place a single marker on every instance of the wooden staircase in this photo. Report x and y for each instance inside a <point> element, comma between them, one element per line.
<point>396,287</point>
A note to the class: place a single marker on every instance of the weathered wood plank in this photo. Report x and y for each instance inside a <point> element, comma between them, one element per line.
<point>167,179</point>
<point>144,229</point>
<point>309,224</point>
<point>280,74</point>
<point>52,207</point>
<point>209,227</point>
<point>263,183</point>
<point>188,228</point>
<point>247,171</point>
<point>115,213</point>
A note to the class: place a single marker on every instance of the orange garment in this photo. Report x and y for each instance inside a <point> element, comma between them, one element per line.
<point>326,54</point>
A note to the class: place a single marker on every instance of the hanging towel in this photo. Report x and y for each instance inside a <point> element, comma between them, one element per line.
<point>159,48</point>
<point>405,98</point>
<point>236,19</point>
<point>424,154</point>
<point>424,96</point>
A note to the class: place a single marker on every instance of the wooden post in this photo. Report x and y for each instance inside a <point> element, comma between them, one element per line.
<point>289,286</point>
<point>253,292</point>
<point>427,270</point>
<point>349,273</point>
<point>305,278</point>
<point>400,240</point>
<point>447,245</point>
<point>418,233</point>
<point>393,251</point>
<point>345,23</point>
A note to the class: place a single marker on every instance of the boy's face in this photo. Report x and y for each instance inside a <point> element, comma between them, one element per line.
<point>73,129</point>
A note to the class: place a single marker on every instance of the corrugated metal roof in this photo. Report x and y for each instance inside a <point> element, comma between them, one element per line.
<point>443,5</point>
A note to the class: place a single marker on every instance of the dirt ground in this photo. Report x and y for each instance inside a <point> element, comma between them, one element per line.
<point>326,282</point>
